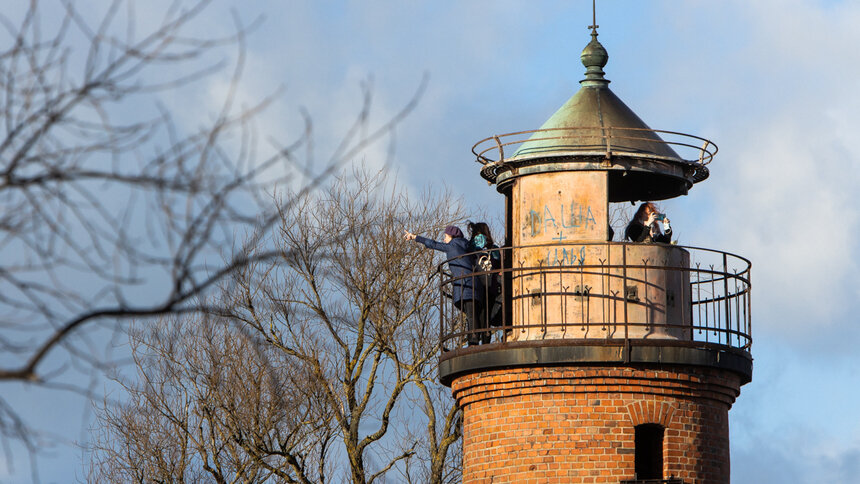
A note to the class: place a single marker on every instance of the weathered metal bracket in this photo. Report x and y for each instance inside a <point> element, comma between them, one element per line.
<point>631,293</point>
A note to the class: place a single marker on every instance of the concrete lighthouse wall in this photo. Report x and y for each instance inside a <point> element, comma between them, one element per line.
<point>560,254</point>
<point>560,206</point>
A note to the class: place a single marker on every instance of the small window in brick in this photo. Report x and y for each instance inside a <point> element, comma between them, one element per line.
<point>649,451</point>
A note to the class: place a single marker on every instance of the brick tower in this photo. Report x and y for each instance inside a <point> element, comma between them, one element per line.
<point>610,362</point>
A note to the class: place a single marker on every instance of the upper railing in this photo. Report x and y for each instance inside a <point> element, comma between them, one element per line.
<point>608,142</point>
<point>653,292</point>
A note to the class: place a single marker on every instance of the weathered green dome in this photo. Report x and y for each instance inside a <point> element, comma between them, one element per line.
<point>596,130</point>
<point>591,114</point>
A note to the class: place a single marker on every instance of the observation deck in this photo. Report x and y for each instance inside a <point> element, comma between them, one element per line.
<point>602,303</point>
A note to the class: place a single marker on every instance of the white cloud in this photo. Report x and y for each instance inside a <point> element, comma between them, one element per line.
<point>790,206</point>
<point>774,84</point>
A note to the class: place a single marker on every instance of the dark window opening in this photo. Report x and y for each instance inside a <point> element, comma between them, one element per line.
<point>649,451</point>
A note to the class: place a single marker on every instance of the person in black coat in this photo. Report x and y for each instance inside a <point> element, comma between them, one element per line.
<point>489,263</point>
<point>645,226</point>
<point>465,290</point>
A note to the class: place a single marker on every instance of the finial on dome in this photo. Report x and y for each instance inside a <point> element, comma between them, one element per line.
<point>594,57</point>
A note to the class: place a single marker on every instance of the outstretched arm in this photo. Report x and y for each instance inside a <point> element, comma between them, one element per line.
<point>429,243</point>
<point>432,244</point>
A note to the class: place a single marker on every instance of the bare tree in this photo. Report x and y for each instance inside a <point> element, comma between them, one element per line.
<point>209,404</point>
<point>357,306</point>
<point>350,312</point>
<point>619,216</point>
<point>110,208</point>
<point>438,458</point>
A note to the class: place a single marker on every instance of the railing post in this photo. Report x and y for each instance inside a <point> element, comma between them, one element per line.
<point>737,299</point>
<point>648,321</point>
<point>504,303</point>
<point>699,298</point>
<point>748,307</point>
<point>624,293</point>
<point>562,301</point>
<point>726,295</point>
<point>689,277</point>
<point>607,140</point>
<point>583,299</point>
<point>486,280</point>
<point>603,300</point>
<point>714,303</point>
<point>542,296</point>
<point>501,148</point>
<point>521,299</point>
<point>473,331</point>
<point>441,311</point>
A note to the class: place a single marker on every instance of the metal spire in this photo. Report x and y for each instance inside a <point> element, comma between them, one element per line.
<point>594,56</point>
<point>593,25</point>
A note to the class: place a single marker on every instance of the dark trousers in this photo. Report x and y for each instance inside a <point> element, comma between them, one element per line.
<point>476,317</point>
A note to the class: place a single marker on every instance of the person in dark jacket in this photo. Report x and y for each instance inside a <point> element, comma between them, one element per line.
<point>646,225</point>
<point>465,289</point>
<point>489,263</point>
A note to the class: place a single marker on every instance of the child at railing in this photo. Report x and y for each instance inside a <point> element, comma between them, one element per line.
<point>489,262</point>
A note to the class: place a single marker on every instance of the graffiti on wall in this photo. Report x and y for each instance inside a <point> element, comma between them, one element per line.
<point>567,218</point>
<point>565,256</point>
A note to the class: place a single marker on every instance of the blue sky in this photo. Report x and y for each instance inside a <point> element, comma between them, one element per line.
<point>773,83</point>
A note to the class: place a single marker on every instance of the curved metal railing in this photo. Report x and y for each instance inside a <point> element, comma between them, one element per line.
<point>609,141</point>
<point>711,301</point>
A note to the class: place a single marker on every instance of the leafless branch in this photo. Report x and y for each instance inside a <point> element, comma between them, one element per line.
<point>112,209</point>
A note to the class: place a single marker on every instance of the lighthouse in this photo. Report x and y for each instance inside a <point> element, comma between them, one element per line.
<point>610,361</point>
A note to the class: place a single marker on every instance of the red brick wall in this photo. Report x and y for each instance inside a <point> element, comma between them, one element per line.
<point>576,424</point>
